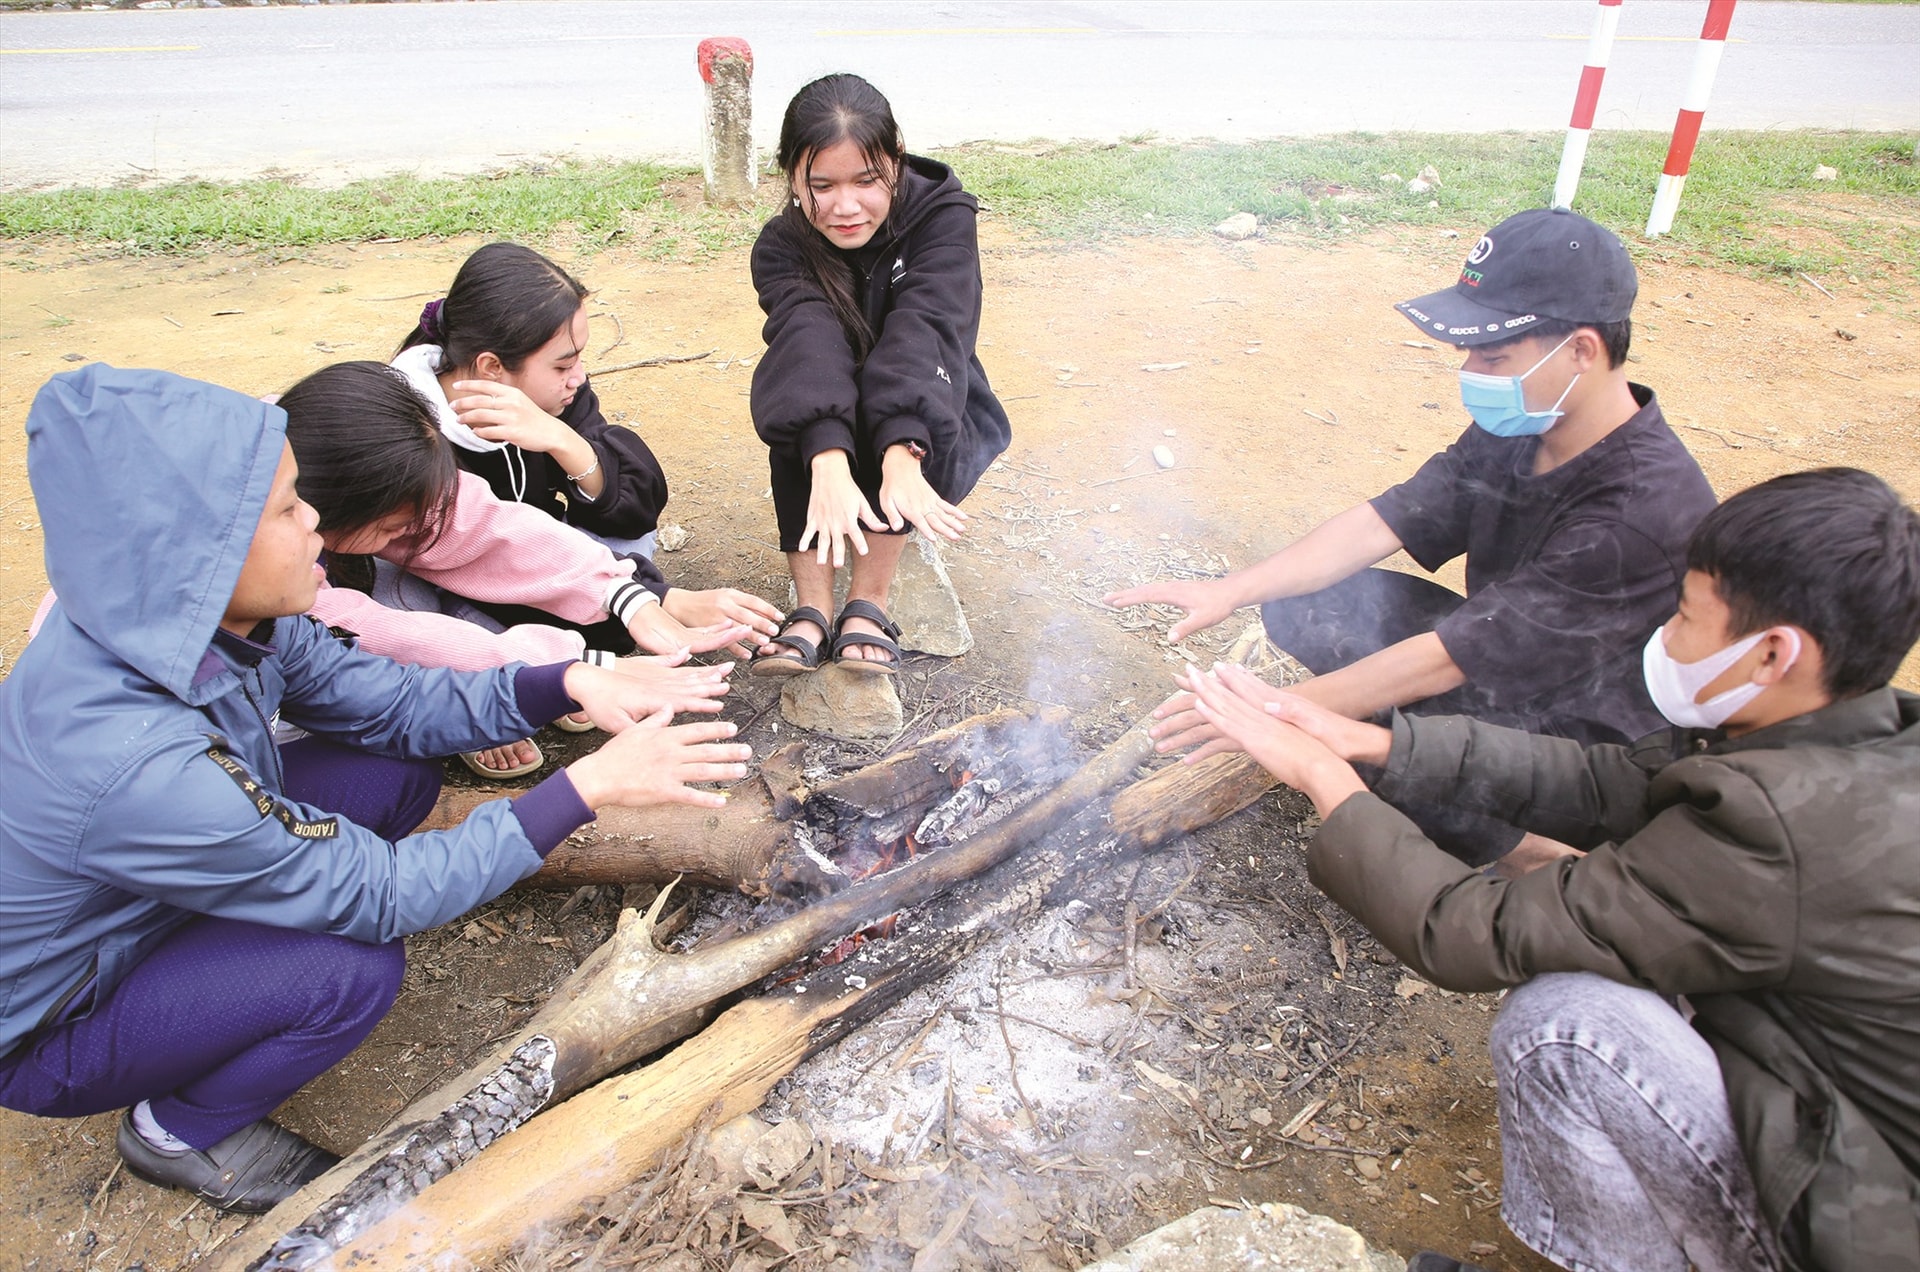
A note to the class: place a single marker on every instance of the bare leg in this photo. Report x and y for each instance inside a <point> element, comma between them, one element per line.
<point>872,581</point>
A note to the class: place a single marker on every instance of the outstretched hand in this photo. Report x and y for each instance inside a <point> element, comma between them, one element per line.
<point>653,762</point>
<point>1205,602</point>
<point>835,510</point>
<point>907,498</point>
<point>659,632</point>
<point>720,606</point>
<point>616,698</point>
<point>1182,726</point>
<point>1234,702</point>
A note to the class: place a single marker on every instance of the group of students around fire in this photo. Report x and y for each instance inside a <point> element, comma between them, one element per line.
<point>1649,774</point>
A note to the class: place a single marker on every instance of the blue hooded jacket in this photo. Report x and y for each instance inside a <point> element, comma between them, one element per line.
<point>138,759</point>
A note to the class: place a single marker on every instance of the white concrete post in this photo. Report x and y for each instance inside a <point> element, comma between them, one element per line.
<point>726,66</point>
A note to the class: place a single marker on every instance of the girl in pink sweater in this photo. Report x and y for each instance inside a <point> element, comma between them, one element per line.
<point>397,513</point>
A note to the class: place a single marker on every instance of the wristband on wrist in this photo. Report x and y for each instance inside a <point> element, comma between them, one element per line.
<point>625,598</point>
<point>588,471</point>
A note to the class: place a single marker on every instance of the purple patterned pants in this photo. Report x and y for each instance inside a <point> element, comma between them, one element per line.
<point>226,1019</point>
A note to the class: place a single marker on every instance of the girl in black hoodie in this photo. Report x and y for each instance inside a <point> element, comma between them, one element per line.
<point>870,399</point>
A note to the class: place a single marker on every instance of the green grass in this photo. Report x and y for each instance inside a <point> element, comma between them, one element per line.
<point>595,201</point>
<point>1751,201</point>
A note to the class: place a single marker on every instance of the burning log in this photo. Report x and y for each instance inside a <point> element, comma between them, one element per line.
<point>620,1127</point>
<point>628,999</point>
<point>609,1135</point>
<point>749,844</point>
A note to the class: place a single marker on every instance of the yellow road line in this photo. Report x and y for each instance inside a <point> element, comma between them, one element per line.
<point>130,48</point>
<point>968,31</point>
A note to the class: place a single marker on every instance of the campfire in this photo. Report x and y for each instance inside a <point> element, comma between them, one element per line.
<point>900,869</point>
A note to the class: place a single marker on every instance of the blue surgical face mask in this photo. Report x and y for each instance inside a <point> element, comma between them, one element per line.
<point>1498,403</point>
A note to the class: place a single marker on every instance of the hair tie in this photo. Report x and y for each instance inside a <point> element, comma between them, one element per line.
<point>430,321</point>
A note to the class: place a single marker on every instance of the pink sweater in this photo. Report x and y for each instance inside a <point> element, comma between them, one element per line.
<point>491,550</point>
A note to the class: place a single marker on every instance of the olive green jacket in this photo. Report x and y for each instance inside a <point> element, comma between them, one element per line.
<point>1773,878</point>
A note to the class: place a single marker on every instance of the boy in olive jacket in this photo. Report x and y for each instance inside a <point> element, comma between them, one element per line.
<point>1759,858</point>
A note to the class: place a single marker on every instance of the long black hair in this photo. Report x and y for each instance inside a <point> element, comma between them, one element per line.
<point>830,110</point>
<point>368,445</point>
<point>507,300</point>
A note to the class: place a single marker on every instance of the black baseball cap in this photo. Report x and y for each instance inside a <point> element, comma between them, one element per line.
<point>1541,263</point>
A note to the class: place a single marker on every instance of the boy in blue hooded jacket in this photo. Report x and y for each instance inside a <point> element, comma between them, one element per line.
<point>194,921</point>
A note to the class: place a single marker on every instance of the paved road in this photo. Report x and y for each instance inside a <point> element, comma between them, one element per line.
<point>334,92</point>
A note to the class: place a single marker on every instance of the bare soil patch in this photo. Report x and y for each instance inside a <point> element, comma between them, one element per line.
<point>1076,1085</point>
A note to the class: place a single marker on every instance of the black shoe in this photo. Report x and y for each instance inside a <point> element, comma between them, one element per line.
<point>250,1171</point>
<point>1428,1261</point>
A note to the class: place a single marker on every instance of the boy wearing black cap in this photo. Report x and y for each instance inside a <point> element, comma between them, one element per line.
<point>1570,498</point>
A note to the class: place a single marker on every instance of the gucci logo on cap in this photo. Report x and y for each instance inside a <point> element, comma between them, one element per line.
<point>1481,250</point>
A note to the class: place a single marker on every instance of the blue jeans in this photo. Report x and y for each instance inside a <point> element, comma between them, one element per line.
<point>1617,1145</point>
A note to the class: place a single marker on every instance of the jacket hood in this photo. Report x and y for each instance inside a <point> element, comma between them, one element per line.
<point>150,487</point>
<point>926,185</point>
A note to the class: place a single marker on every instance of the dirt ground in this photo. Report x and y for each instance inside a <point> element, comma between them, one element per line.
<point>1287,390</point>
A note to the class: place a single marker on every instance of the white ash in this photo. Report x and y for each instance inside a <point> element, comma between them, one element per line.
<point>871,1094</point>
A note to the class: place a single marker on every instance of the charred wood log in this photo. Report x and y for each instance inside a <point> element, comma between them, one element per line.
<point>629,999</point>
<point>749,844</point>
<point>623,1125</point>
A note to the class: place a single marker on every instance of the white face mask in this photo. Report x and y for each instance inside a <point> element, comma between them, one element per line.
<point>1674,685</point>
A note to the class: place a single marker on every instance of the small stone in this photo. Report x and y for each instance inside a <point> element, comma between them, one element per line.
<point>727,1148</point>
<point>779,1152</point>
<point>1163,456</point>
<point>672,537</point>
<point>1821,173</point>
<point>1368,1167</point>
<point>1356,1124</point>
<point>1273,1236</point>
<point>1241,225</point>
<point>1430,175</point>
<point>1418,186</point>
<point>842,703</point>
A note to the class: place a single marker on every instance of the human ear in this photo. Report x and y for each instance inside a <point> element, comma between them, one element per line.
<point>1588,348</point>
<point>1781,650</point>
<point>488,366</point>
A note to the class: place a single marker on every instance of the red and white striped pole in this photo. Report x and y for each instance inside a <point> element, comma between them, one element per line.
<point>1573,155</point>
<point>1693,108</point>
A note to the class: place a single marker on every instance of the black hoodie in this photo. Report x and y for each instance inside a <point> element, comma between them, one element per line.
<point>921,382</point>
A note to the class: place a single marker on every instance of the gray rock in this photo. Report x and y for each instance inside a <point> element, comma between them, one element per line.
<point>727,1148</point>
<point>842,704</point>
<point>923,602</point>
<point>778,1152</point>
<point>1275,1237</point>
<point>1241,225</point>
